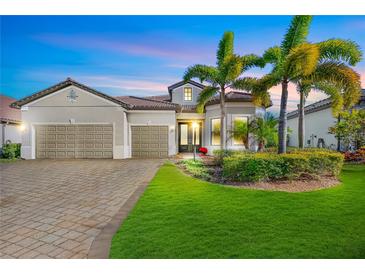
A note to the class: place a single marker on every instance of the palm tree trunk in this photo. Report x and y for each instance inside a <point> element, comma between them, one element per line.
<point>282,118</point>
<point>223,130</point>
<point>338,137</point>
<point>301,120</point>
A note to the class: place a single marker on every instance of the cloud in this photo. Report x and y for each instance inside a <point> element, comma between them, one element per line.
<point>293,97</point>
<point>155,47</point>
<point>110,84</point>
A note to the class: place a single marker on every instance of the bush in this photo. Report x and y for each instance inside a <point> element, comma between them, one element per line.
<point>11,151</point>
<point>196,168</point>
<point>220,154</point>
<point>269,167</point>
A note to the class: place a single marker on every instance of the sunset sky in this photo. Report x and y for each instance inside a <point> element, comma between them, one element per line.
<point>142,55</point>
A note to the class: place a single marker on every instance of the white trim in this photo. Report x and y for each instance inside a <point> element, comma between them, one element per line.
<point>64,89</point>
<point>210,128</point>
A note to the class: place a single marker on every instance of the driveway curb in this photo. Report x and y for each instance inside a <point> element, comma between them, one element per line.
<point>100,247</point>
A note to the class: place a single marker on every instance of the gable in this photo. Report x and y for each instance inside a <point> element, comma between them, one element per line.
<point>61,87</point>
<point>177,94</point>
<point>71,96</point>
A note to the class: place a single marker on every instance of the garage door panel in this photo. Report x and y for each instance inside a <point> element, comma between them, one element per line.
<point>149,141</point>
<point>74,141</point>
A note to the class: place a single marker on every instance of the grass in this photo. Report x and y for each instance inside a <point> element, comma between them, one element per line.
<point>4,160</point>
<point>182,217</point>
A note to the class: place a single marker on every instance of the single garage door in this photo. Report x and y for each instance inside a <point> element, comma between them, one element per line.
<point>74,141</point>
<point>150,141</point>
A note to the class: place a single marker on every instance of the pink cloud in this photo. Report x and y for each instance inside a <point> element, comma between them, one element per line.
<point>148,47</point>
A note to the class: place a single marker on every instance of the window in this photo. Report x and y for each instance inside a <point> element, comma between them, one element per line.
<point>215,128</point>
<point>240,131</point>
<point>188,94</point>
<point>183,134</point>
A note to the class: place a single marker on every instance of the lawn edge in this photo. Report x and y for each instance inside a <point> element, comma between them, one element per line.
<point>100,247</point>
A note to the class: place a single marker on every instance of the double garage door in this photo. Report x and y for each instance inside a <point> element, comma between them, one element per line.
<point>74,141</point>
<point>150,141</point>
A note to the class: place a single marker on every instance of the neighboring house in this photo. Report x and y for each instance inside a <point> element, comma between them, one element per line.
<point>318,118</point>
<point>71,120</point>
<point>10,119</point>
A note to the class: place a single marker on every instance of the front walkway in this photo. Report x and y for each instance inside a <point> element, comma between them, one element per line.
<point>56,208</point>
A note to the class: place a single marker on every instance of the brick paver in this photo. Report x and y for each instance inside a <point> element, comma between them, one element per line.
<point>56,208</point>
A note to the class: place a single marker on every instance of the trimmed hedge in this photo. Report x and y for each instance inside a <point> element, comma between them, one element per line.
<point>196,168</point>
<point>255,167</point>
<point>11,151</point>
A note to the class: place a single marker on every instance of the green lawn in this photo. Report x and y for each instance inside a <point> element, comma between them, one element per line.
<point>182,217</point>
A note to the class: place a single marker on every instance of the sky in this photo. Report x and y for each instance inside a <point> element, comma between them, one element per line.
<point>143,55</point>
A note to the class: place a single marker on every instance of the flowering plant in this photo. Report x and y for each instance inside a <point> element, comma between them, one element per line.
<point>203,150</point>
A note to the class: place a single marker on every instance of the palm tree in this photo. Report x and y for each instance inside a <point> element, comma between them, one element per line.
<point>333,77</point>
<point>265,130</point>
<point>295,58</point>
<point>221,77</point>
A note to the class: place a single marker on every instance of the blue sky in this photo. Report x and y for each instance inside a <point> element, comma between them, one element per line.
<point>141,55</point>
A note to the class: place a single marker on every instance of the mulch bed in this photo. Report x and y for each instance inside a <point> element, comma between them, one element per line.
<point>300,185</point>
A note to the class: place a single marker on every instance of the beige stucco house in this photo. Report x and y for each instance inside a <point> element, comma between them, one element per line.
<point>72,120</point>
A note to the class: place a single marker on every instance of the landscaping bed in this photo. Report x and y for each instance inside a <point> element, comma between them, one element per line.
<point>296,171</point>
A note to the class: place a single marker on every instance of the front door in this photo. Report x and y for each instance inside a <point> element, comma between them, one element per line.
<point>189,136</point>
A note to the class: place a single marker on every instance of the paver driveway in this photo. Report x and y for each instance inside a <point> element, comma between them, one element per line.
<point>56,208</point>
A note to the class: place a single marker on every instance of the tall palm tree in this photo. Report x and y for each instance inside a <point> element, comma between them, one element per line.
<point>294,59</point>
<point>221,77</point>
<point>332,76</point>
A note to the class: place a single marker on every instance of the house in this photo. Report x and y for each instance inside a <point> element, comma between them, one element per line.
<point>72,120</point>
<point>10,122</point>
<point>318,118</point>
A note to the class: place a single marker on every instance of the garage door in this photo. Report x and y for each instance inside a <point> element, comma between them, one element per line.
<point>150,141</point>
<point>74,141</point>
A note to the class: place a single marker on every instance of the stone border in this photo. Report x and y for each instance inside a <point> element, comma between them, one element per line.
<point>100,247</point>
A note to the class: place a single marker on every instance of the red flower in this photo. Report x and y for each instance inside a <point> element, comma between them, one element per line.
<point>203,150</point>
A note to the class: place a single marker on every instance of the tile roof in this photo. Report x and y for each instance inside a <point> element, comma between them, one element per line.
<point>140,103</point>
<point>8,114</point>
<point>232,96</point>
<point>322,104</point>
<point>159,97</point>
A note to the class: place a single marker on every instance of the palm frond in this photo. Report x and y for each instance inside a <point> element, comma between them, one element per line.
<point>343,77</point>
<point>301,61</point>
<point>334,92</point>
<point>205,95</point>
<point>252,60</point>
<point>225,47</point>
<point>272,55</point>
<point>230,69</point>
<point>340,50</point>
<point>202,72</point>
<point>297,33</point>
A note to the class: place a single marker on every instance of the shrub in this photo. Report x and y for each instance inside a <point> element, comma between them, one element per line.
<point>11,151</point>
<point>269,167</point>
<point>203,150</point>
<point>220,154</point>
<point>196,168</point>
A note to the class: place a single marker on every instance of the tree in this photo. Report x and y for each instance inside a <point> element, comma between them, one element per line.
<point>294,59</point>
<point>332,76</point>
<point>350,128</point>
<point>264,130</point>
<point>221,77</point>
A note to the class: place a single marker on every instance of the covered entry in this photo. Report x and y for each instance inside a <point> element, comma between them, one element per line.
<point>74,141</point>
<point>150,141</point>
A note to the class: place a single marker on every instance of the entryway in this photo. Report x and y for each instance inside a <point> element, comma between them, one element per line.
<point>190,134</point>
